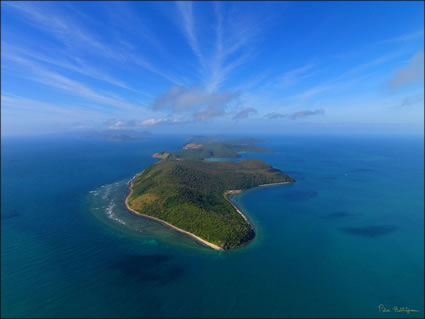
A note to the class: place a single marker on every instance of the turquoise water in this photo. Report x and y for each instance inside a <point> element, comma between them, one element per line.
<point>348,236</point>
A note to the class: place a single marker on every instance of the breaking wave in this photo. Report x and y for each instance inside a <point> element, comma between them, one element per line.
<point>107,201</point>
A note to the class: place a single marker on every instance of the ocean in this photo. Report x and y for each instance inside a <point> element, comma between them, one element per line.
<point>346,240</point>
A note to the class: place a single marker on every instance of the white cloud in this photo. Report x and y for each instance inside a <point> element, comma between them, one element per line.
<point>72,63</point>
<point>38,73</point>
<point>274,115</point>
<point>180,99</point>
<point>79,41</point>
<point>403,37</point>
<point>185,9</point>
<point>207,113</point>
<point>368,65</point>
<point>410,74</point>
<point>302,114</point>
<point>245,113</point>
<point>153,121</point>
<point>231,47</point>
<point>117,124</point>
<point>72,34</point>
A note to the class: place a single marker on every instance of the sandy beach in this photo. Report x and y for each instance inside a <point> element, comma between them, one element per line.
<point>275,184</point>
<point>193,236</point>
<point>237,191</point>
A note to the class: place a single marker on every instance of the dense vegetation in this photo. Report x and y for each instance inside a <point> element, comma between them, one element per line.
<point>216,149</point>
<point>190,194</point>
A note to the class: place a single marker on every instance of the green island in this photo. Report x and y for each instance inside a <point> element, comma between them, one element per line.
<point>190,194</point>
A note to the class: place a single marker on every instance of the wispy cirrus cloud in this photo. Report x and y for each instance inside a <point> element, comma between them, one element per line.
<point>291,77</point>
<point>268,94</point>
<point>232,46</point>
<point>202,61</point>
<point>77,38</point>
<point>15,103</point>
<point>36,72</point>
<point>69,32</point>
<point>403,37</point>
<point>313,91</point>
<point>231,38</point>
<point>122,17</point>
<point>185,10</point>
<point>370,64</point>
<point>395,40</point>
<point>71,63</point>
<point>347,78</point>
<point>142,62</point>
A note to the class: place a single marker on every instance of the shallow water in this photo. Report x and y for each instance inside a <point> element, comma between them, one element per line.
<point>346,237</point>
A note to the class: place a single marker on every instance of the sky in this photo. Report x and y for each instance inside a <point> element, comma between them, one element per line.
<point>212,67</point>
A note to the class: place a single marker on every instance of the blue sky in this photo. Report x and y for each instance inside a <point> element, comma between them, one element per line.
<point>212,67</point>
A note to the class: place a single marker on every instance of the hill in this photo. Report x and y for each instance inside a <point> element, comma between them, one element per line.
<point>200,151</point>
<point>190,194</point>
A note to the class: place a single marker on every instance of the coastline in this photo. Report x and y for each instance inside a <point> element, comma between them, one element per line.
<point>238,191</point>
<point>191,235</point>
<point>271,184</point>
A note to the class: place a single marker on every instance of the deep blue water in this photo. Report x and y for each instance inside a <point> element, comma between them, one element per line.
<point>346,237</point>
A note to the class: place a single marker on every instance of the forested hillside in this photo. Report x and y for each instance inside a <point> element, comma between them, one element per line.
<point>189,194</point>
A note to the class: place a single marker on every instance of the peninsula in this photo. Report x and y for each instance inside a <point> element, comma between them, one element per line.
<point>189,194</point>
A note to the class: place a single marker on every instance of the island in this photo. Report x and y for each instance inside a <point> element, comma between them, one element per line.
<point>188,193</point>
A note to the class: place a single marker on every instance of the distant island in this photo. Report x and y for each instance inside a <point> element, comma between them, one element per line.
<point>201,151</point>
<point>190,194</point>
<point>114,136</point>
